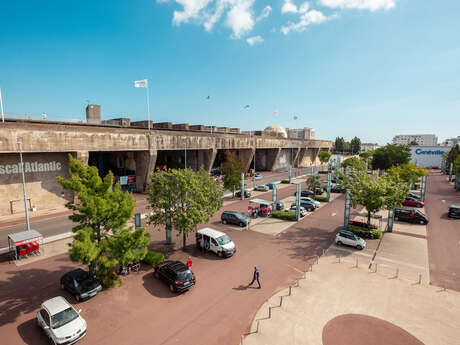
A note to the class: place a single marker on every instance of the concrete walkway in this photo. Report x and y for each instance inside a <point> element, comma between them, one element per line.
<point>335,288</point>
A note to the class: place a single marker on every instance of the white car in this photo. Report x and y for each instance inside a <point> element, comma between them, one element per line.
<point>313,201</point>
<point>61,322</point>
<point>350,239</point>
<point>262,188</point>
<point>303,211</point>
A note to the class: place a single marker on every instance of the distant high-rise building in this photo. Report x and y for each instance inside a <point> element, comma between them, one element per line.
<point>368,147</point>
<point>421,139</point>
<point>93,113</point>
<point>451,142</point>
<point>301,133</point>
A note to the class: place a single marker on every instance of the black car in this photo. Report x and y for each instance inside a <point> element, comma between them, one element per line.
<point>80,284</point>
<point>337,189</point>
<point>415,196</point>
<point>309,206</point>
<point>410,215</point>
<point>176,274</point>
<point>319,191</point>
<point>306,193</point>
<point>232,217</point>
<point>454,211</point>
<point>247,194</point>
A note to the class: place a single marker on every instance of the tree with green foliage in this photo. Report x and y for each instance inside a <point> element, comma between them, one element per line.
<point>101,213</point>
<point>232,169</point>
<point>184,199</point>
<point>355,145</point>
<point>313,181</point>
<point>354,163</point>
<point>409,173</point>
<point>375,193</point>
<point>390,155</point>
<point>324,156</point>
<point>366,154</point>
<point>339,144</point>
<point>452,155</point>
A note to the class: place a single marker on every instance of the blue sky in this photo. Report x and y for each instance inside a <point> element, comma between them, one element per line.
<point>371,68</point>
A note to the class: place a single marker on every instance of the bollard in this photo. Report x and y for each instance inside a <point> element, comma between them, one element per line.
<point>356,265</point>
<point>420,278</point>
<point>397,273</point>
<point>375,268</point>
<point>324,251</point>
<point>269,312</point>
<point>242,337</point>
<point>339,258</point>
<point>290,290</point>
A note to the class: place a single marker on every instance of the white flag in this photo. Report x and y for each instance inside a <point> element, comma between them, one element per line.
<point>141,83</point>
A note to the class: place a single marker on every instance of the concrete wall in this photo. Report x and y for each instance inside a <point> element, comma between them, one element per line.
<point>41,171</point>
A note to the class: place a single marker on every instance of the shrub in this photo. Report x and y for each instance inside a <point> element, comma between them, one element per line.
<point>320,198</point>
<point>285,215</point>
<point>284,181</point>
<point>322,172</point>
<point>364,233</point>
<point>152,258</point>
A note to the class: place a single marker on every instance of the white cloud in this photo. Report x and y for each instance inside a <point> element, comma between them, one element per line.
<point>255,39</point>
<point>240,19</point>
<point>304,7</point>
<point>264,14</point>
<point>308,18</point>
<point>371,5</point>
<point>288,7</point>
<point>191,10</point>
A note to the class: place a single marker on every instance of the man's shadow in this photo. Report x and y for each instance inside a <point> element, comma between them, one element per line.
<point>244,287</point>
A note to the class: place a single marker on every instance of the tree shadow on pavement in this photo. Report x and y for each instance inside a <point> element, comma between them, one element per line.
<point>32,334</point>
<point>23,291</point>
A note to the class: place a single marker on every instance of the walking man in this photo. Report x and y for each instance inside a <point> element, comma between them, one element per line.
<point>255,277</point>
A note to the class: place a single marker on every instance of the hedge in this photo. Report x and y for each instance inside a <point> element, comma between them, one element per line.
<point>284,181</point>
<point>363,233</point>
<point>285,215</point>
<point>323,172</point>
<point>152,258</point>
<point>320,198</point>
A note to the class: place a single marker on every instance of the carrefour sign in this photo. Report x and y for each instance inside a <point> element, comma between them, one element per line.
<point>428,152</point>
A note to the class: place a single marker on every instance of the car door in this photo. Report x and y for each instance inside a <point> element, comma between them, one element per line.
<point>45,322</point>
<point>214,247</point>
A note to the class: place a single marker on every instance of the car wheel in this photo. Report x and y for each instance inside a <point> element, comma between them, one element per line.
<point>77,298</point>
<point>221,254</point>
<point>224,221</point>
<point>156,275</point>
<point>359,247</point>
<point>171,288</point>
<point>396,218</point>
<point>62,287</point>
<point>241,224</point>
<point>339,243</point>
<point>422,222</point>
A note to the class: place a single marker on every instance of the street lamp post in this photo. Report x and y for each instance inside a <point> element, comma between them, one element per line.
<point>24,186</point>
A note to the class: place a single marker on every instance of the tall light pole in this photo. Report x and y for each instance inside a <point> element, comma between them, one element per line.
<point>185,152</point>
<point>24,186</point>
<point>1,105</point>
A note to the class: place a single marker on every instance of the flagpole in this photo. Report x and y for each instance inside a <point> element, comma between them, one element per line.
<point>1,105</point>
<point>148,104</point>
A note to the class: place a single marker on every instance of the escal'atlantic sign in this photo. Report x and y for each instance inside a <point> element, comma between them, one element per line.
<point>29,167</point>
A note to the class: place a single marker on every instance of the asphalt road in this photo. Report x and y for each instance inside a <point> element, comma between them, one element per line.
<point>443,233</point>
<point>143,311</point>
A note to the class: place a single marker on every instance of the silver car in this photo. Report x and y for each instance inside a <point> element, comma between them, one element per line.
<point>60,321</point>
<point>350,239</point>
<point>262,188</point>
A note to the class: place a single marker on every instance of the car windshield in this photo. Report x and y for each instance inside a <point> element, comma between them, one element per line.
<point>223,240</point>
<point>240,215</point>
<point>63,318</point>
<point>184,275</point>
<point>81,276</point>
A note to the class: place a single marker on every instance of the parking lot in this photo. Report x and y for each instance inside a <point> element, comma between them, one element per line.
<point>143,310</point>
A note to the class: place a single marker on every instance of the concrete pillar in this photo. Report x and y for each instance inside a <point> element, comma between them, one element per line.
<point>82,156</point>
<point>314,155</point>
<point>296,161</point>
<point>272,158</point>
<point>145,165</point>
<point>246,156</point>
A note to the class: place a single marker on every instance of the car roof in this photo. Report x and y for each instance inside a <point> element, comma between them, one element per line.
<point>231,212</point>
<point>176,266</point>
<point>56,305</point>
<point>346,232</point>
<point>76,273</point>
<point>454,206</point>
<point>210,232</point>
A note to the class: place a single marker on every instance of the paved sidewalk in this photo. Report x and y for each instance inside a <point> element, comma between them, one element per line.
<point>332,289</point>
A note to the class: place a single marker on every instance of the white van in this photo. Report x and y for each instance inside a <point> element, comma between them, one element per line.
<point>215,241</point>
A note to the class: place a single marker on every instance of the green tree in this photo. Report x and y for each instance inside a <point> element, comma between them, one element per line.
<point>409,173</point>
<point>367,154</point>
<point>452,155</point>
<point>413,143</point>
<point>232,169</point>
<point>184,199</point>
<point>313,181</point>
<point>375,193</point>
<point>390,155</point>
<point>128,245</point>
<point>355,145</point>
<point>354,163</point>
<point>339,145</point>
<point>324,156</point>
<point>101,213</point>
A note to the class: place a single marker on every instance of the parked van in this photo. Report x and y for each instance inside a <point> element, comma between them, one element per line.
<point>215,241</point>
<point>454,211</point>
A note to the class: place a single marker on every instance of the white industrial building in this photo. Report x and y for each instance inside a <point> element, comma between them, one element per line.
<point>451,142</point>
<point>421,139</point>
<point>301,133</point>
<point>428,156</point>
<point>369,147</point>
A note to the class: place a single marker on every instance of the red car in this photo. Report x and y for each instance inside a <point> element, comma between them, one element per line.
<point>412,202</point>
